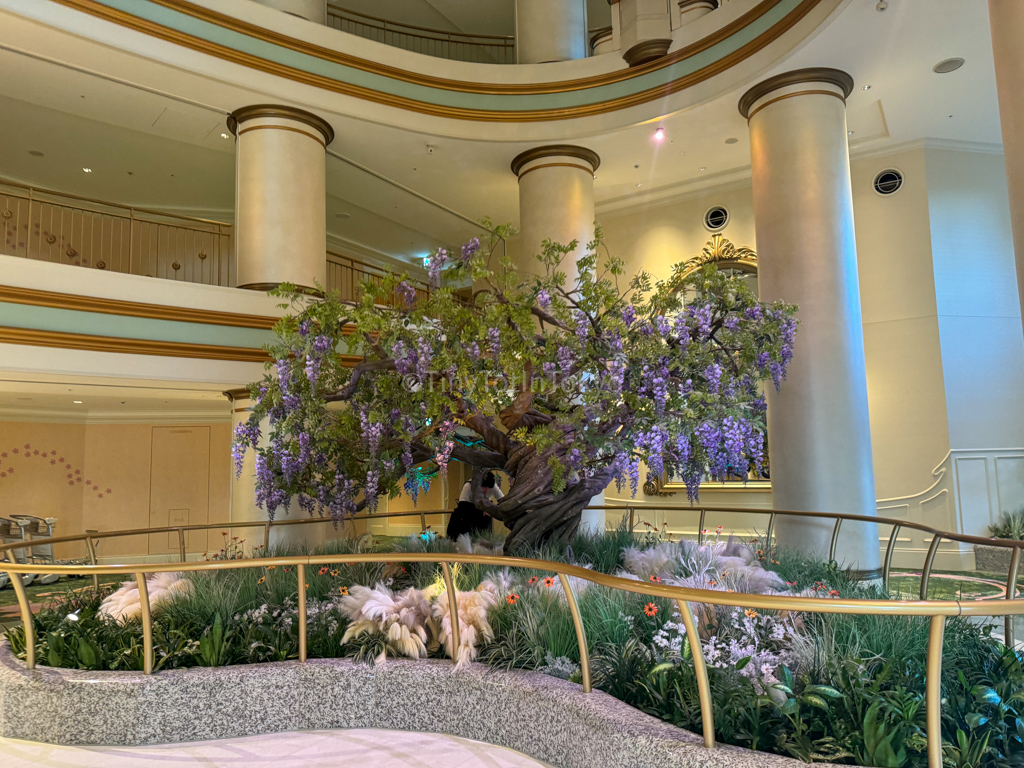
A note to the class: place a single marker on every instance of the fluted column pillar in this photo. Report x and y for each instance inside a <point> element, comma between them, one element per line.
<point>243,493</point>
<point>550,30</point>
<point>312,10</point>
<point>1006,18</point>
<point>818,429</point>
<point>556,202</point>
<point>280,196</point>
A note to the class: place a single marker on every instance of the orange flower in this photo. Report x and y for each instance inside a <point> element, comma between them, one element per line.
<point>790,583</point>
<point>261,579</point>
<point>532,580</point>
<point>775,562</point>
<point>323,570</point>
<point>713,583</point>
<point>549,581</point>
<point>656,579</point>
<point>343,591</point>
<point>512,599</point>
<point>750,613</point>
<point>724,574</point>
<point>334,573</point>
<point>651,609</point>
<point>271,567</point>
<point>833,593</point>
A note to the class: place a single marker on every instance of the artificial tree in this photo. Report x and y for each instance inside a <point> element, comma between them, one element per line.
<point>562,384</point>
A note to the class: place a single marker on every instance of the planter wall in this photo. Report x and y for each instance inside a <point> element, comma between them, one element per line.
<point>992,559</point>
<point>541,716</point>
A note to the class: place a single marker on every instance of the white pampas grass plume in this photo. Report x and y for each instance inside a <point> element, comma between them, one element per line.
<point>660,560</point>
<point>473,624</point>
<point>124,603</point>
<point>402,618</point>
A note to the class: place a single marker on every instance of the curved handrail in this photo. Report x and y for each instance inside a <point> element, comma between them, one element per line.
<point>337,10</point>
<point>936,610</point>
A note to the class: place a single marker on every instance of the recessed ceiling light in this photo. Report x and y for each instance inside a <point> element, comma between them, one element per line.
<point>703,168</point>
<point>225,136</point>
<point>732,140</point>
<point>865,87</point>
<point>343,215</point>
<point>77,402</point>
<point>659,134</point>
<point>87,170</point>
<point>639,184</point>
<point>946,66</point>
<point>35,153</point>
<point>849,133</point>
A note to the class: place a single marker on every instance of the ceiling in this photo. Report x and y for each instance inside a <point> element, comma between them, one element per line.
<point>83,401</point>
<point>146,149</point>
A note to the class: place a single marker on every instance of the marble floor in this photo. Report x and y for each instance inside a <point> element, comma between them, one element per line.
<point>308,749</point>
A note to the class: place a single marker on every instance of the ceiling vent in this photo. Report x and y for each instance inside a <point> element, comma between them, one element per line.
<point>888,182</point>
<point>716,218</point>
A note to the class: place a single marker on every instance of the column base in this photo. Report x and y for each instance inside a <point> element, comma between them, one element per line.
<point>265,287</point>
<point>646,51</point>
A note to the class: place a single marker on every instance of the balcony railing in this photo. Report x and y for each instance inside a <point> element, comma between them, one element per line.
<point>489,49</point>
<point>46,225</point>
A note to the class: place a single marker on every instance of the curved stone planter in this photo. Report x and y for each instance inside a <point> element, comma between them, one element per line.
<point>543,717</point>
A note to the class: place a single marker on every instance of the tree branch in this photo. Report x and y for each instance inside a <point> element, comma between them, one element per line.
<point>346,392</point>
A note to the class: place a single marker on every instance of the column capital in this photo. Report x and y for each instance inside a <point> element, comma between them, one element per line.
<point>237,394</point>
<point>827,75</point>
<point>588,156</point>
<point>280,111</point>
<point>686,5</point>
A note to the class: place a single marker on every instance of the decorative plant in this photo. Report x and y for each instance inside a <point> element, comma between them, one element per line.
<point>1010,526</point>
<point>563,383</point>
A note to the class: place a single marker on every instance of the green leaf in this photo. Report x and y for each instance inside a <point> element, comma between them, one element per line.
<point>975,719</point>
<point>983,694</point>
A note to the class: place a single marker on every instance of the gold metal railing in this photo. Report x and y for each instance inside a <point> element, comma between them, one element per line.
<point>47,225</point>
<point>346,275</point>
<point>444,44</point>
<point>936,610</point>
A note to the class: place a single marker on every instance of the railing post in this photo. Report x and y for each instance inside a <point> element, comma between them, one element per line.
<point>771,531</point>
<point>423,522</point>
<point>933,691</point>
<point>632,516</point>
<point>301,575</point>
<point>266,539</point>
<point>887,565</point>
<point>1011,588</point>
<point>926,572</point>
<point>581,635</point>
<point>835,540</point>
<point>181,543</point>
<point>131,241</point>
<point>453,610</point>
<point>147,624</point>
<point>707,713</point>
<point>700,527</point>
<point>26,613</point>
<point>90,546</point>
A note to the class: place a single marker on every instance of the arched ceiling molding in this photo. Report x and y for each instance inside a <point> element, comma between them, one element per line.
<point>229,38</point>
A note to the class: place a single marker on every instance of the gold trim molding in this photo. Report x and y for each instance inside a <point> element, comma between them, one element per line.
<point>85,342</point>
<point>588,156</point>
<point>280,112</point>
<point>719,250</point>
<point>810,75</point>
<point>37,298</point>
<point>747,50</point>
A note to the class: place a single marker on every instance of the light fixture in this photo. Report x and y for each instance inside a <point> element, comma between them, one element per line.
<point>639,184</point>
<point>225,136</point>
<point>87,170</point>
<point>946,66</point>
<point>732,140</point>
<point>849,133</point>
<point>343,215</point>
<point>77,402</point>
<point>35,153</point>
<point>865,87</point>
<point>703,168</point>
<point>659,134</point>
<point>881,5</point>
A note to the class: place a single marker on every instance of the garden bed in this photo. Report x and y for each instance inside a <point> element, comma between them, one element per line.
<point>541,716</point>
<point>818,687</point>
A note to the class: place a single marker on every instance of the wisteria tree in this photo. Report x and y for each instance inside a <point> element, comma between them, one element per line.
<point>562,384</point>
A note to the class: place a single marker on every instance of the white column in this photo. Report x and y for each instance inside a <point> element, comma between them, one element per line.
<point>818,429</point>
<point>1006,18</point>
<point>313,10</point>
<point>645,30</point>
<point>688,11</point>
<point>551,30</point>
<point>280,196</point>
<point>556,202</point>
<point>243,494</point>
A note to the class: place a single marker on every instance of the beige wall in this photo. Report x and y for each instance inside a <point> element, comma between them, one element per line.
<point>114,462</point>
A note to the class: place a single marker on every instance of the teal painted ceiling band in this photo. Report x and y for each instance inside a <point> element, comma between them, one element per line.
<point>124,327</point>
<point>213,33</point>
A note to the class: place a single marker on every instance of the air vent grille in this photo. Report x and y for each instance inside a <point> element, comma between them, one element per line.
<point>888,182</point>
<point>715,218</point>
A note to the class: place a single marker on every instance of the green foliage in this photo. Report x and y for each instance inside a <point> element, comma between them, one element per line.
<point>1010,526</point>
